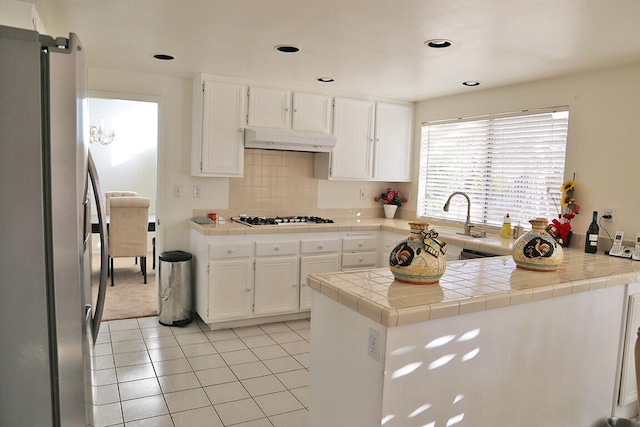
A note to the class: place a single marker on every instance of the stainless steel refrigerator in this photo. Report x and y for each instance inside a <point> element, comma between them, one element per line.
<point>49,309</point>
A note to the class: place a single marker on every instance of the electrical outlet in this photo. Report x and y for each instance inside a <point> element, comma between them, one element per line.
<point>610,211</point>
<point>373,348</point>
<point>177,191</point>
<point>196,191</point>
<point>362,194</point>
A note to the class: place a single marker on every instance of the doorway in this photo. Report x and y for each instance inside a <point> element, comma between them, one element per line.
<point>124,146</point>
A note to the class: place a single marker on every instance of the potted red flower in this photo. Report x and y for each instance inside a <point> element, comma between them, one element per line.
<point>391,200</point>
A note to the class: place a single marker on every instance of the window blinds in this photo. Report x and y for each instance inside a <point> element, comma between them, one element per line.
<point>506,164</point>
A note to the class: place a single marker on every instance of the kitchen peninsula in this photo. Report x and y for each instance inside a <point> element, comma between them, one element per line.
<point>490,345</point>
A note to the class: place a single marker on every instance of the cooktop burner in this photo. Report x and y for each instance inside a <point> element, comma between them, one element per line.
<point>287,220</point>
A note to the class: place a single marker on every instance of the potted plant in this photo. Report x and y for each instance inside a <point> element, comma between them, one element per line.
<point>391,201</point>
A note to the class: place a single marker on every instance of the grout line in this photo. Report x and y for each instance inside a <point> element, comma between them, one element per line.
<point>193,371</point>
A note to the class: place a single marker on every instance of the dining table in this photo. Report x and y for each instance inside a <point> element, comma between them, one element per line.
<point>95,227</point>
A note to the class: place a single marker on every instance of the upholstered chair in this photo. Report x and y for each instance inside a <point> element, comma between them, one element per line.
<point>129,219</point>
<point>109,194</point>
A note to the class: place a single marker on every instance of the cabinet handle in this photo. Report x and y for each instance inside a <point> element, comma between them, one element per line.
<point>320,247</point>
<point>248,289</point>
<point>360,259</point>
<point>240,129</point>
<point>295,285</point>
<point>277,248</point>
<point>370,139</point>
<point>286,109</point>
<point>230,251</point>
<point>377,139</point>
<point>360,244</point>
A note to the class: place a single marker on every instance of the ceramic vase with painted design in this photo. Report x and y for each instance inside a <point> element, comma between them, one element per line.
<point>420,258</point>
<point>537,250</point>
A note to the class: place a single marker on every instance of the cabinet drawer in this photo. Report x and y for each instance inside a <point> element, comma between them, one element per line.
<point>231,250</point>
<point>359,243</point>
<point>277,248</point>
<point>319,246</point>
<point>359,259</point>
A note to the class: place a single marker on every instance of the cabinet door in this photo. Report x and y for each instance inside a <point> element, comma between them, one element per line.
<point>223,114</point>
<point>353,127</point>
<point>628,387</point>
<point>269,108</point>
<point>276,285</point>
<point>311,112</point>
<point>392,152</point>
<point>230,290</point>
<point>312,265</point>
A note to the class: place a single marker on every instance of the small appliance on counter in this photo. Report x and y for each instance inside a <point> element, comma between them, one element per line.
<point>618,250</point>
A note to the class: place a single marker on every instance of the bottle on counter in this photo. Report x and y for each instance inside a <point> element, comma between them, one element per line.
<point>591,239</point>
<point>518,230</point>
<point>506,226</point>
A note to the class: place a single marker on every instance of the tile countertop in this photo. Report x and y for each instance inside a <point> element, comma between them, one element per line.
<point>470,286</point>
<point>466,287</point>
<point>491,244</point>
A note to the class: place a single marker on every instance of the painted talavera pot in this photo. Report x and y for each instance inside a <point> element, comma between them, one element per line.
<point>420,258</point>
<point>537,250</point>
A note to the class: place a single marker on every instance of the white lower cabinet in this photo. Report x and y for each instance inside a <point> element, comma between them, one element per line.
<point>230,289</point>
<point>359,251</point>
<point>256,278</point>
<point>276,285</point>
<point>314,264</point>
<point>627,390</point>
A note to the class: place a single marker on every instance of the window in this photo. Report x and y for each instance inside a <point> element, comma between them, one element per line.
<point>505,164</point>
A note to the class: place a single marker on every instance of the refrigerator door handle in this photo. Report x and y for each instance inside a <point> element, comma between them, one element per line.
<point>104,245</point>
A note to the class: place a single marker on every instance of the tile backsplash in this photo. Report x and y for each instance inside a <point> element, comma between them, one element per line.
<point>280,183</point>
<point>275,183</point>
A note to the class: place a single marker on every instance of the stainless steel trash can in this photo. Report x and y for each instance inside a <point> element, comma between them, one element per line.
<point>621,422</point>
<point>175,292</point>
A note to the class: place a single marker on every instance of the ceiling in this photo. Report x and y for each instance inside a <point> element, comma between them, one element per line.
<point>371,47</point>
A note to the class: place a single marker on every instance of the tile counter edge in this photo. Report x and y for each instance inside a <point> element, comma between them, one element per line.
<point>469,286</point>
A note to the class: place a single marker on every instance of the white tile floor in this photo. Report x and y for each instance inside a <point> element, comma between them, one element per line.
<point>152,375</point>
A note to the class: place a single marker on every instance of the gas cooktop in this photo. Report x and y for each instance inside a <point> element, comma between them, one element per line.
<point>252,221</point>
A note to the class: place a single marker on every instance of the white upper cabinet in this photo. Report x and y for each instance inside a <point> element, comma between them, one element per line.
<point>392,148</point>
<point>219,111</point>
<point>353,128</point>
<point>269,108</point>
<point>373,142</point>
<point>282,109</point>
<point>311,112</point>
<point>20,15</point>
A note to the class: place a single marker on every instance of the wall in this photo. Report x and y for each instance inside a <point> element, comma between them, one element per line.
<point>129,163</point>
<point>602,145</point>
<point>222,194</point>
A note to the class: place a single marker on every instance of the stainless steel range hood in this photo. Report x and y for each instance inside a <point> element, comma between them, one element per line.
<point>281,139</point>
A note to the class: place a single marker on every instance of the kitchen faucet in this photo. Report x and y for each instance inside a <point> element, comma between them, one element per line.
<point>467,224</point>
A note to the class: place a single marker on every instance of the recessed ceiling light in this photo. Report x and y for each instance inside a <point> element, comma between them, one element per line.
<point>471,83</point>
<point>163,57</point>
<point>286,48</point>
<point>438,43</point>
<point>325,79</point>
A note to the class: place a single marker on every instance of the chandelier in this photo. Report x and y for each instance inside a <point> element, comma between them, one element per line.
<point>96,134</point>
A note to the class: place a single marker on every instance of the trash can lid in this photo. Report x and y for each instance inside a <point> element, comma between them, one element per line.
<point>175,256</point>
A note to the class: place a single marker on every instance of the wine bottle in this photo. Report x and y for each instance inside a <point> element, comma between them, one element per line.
<point>591,239</point>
